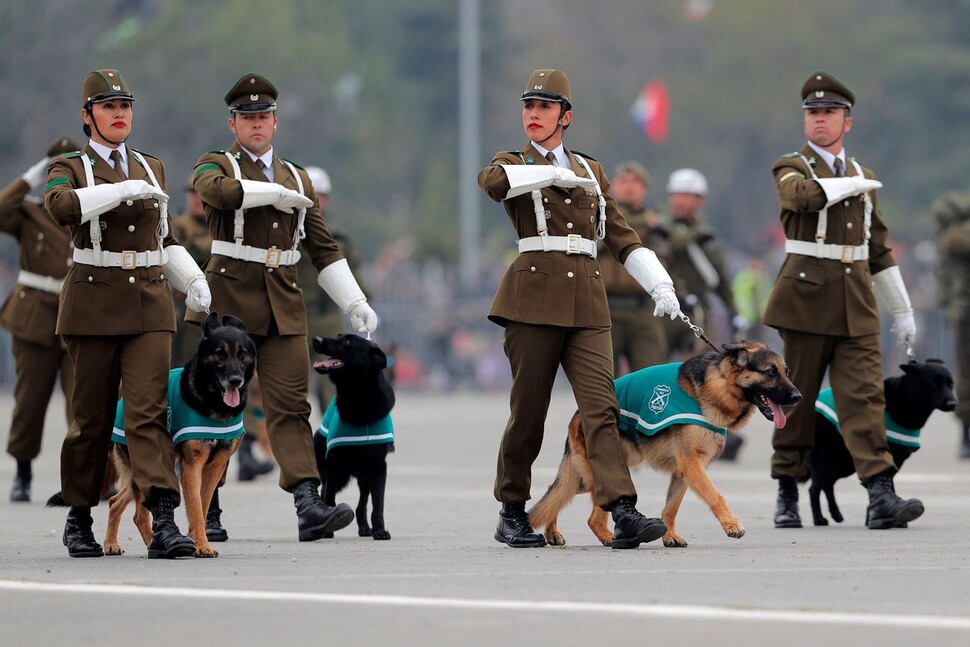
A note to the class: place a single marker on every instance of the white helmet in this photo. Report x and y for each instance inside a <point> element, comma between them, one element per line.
<point>687,180</point>
<point>319,179</point>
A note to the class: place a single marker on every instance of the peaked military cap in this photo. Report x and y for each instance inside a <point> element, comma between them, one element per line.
<point>104,85</point>
<point>252,93</point>
<point>822,90</point>
<point>62,145</point>
<point>548,85</point>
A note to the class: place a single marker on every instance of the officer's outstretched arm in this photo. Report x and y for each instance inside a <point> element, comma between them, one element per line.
<point>525,179</point>
<point>261,194</point>
<point>185,276</point>
<point>339,283</point>
<point>839,188</point>
<point>644,266</point>
<point>96,200</point>
<point>891,290</point>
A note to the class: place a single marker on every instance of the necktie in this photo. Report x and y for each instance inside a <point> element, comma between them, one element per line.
<point>839,171</point>
<point>262,167</point>
<point>116,158</point>
<point>552,158</point>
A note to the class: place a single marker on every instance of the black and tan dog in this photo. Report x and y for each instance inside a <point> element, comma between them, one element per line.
<point>923,388</point>
<point>673,417</point>
<point>206,401</point>
<point>356,433</point>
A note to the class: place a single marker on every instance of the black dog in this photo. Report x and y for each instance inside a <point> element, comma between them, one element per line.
<point>910,399</point>
<point>356,433</point>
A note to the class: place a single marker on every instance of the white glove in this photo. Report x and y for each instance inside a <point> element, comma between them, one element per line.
<point>839,188</point>
<point>36,175</point>
<point>185,276</point>
<point>95,200</point>
<point>339,283</point>
<point>890,289</point>
<point>644,266</point>
<point>261,194</point>
<point>527,178</point>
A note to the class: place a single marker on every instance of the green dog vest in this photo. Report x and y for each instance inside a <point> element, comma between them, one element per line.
<point>651,400</point>
<point>895,432</point>
<point>338,433</point>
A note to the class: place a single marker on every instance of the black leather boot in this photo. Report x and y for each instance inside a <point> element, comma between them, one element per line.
<point>249,466</point>
<point>731,446</point>
<point>20,492</point>
<point>213,520</point>
<point>514,528</point>
<point>167,541</point>
<point>316,519</point>
<point>786,509</point>
<point>630,528</point>
<point>78,536</point>
<point>886,509</point>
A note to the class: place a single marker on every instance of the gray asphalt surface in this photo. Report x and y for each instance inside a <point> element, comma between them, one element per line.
<point>443,579</point>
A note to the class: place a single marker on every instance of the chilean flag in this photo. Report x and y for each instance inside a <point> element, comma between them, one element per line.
<point>649,111</point>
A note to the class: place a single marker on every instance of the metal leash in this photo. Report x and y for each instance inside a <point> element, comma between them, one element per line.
<point>698,331</point>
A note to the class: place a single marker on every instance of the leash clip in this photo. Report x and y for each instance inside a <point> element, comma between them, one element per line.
<point>698,331</point>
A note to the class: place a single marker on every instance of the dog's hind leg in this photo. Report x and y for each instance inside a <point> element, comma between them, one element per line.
<point>833,506</point>
<point>143,519</point>
<point>598,521</point>
<point>192,458</point>
<point>366,487</point>
<point>567,484</point>
<point>377,499</point>
<point>675,496</point>
<point>695,473</point>
<point>814,490</point>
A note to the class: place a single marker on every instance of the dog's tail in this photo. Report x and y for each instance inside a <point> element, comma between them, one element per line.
<point>569,482</point>
<point>56,501</point>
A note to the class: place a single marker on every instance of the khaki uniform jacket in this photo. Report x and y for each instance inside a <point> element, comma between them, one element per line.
<point>251,291</point>
<point>817,295</point>
<point>554,288</point>
<point>105,300</point>
<point>654,236</point>
<point>45,249</point>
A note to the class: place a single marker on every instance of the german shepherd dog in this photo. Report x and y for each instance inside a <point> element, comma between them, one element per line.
<point>357,443</point>
<point>214,384</point>
<point>728,386</point>
<point>911,398</point>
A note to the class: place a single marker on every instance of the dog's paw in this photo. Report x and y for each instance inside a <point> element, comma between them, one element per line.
<point>364,531</point>
<point>674,541</point>
<point>381,535</point>
<point>206,551</point>
<point>113,549</point>
<point>820,521</point>
<point>555,538</point>
<point>734,529</point>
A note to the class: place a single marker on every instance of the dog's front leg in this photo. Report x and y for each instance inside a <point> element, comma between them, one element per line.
<point>377,499</point>
<point>191,461</point>
<point>696,476</point>
<point>675,496</point>
<point>116,508</point>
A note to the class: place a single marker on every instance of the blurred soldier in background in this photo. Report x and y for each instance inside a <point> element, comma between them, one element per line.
<point>637,335</point>
<point>952,212</point>
<point>30,313</point>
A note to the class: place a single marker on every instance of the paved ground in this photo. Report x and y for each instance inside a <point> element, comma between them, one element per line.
<point>442,579</point>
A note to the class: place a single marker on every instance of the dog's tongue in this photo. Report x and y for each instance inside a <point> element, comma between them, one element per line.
<point>780,420</point>
<point>231,397</point>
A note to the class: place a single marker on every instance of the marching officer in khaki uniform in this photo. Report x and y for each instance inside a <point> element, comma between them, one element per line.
<point>30,314</point>
<point>116,314</point>
<point>823,304</point>
<point>260,208</point>
<point>636,334</point>
<point>552,304</point>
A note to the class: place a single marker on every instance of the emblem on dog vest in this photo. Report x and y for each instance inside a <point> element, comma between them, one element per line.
<point>651,400</point>
<point>660,398</point>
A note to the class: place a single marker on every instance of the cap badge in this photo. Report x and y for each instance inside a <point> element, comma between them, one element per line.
<point>116,88</point>
<point>818,77</point>
<point>820,93</point>
<point>537,87</point>
<point>253,97</point>
<point>110,73</point>
<point>252,80</point>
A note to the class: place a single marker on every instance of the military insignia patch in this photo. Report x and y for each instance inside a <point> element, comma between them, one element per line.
<point>253,97</point>
<point>659,398</point>
<point>116,88</point>
<point>530,160</point>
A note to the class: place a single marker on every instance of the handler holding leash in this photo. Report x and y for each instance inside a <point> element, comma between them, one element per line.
<point>553,306</point>
<point>259,208</point>
<point>823,304</point>
<point>30,314</point>
<point>116,314</point>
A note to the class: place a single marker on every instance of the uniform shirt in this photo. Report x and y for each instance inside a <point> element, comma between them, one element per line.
<point>339,433</point>
<point>184,422</point>
<point>895,432</point>
<point>651,400</point>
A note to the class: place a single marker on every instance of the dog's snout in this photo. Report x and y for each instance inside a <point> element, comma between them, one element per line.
<point>235,381</point>
<point>795,396</point>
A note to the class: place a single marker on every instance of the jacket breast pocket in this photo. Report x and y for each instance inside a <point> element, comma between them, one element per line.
<point>804,279</point>
<point>532,280</point>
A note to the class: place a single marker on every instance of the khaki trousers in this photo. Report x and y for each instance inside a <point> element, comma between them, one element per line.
<point>37,368</point>
<point>855,374</point>
<point>141,363</point>
<point>283,364</point>
<point>535,354</point>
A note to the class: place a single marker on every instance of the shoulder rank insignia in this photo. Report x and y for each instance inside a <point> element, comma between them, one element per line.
<point>144,153</point>
<point>586,155</point>
<point>791,155</point>
<point>293,163</point>
<point>72,154</point>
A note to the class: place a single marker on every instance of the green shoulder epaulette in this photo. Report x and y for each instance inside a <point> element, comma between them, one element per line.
<point>72,154</point>
<point>146,154</point>
<point>293,163</point>
<point>791,155</point>
<point>219,152</point>
<point>586,155</point>
<point>518,153</point>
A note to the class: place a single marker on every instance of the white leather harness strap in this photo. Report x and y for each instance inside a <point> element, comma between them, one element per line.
<point>40,282</point>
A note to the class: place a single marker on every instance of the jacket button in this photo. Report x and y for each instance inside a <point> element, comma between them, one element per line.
<point>569,274</point>
<point>131,228</point>
<point>848,225</point>
<point>222,270</point>
<point>40,236</point>
<point>131,279</point>
<point>130,202</point>
<point>269,269</point>
<point>23,294</point>
<point>597,272</point>
<point>545,199</point>
<point>294,284</point>
<point>532,269</point>
<point>568,201</point>
<point>845,204</point>
<point>569,225</point>
<point>848,270</point>
<point>161,276</point>
<point>90,278</point>
<point>276,225</point>
<point>801,275</point>
<point>156,205</point>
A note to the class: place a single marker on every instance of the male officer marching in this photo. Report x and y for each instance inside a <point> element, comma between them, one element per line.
<point>259,208</point>
<point>823,304</point>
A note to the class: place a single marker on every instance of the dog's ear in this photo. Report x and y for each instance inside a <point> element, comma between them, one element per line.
<point>738,353</point>
<point>229,320</point>
<point>211,323</point>
<point>908,368</point>
<point>377,356</point>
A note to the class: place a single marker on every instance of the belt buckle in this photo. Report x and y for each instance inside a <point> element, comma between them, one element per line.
<point>574,244</point>
<point>129,259</point>
<point>273,256</point>
<point>848,254</point>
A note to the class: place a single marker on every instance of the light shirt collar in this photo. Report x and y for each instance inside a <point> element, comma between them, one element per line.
<point>560,152</point>
<point>105,153</point>
<point>267,158</point>
<point>829,158</point>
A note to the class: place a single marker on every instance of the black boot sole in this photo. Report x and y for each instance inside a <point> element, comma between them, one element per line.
<point>653,531</point>
<point>179,550</point>
<point>99,552</point>
<point>907,513</point>
<point>532,543</point>
<point>343,516</point>
<point>217,535</point>
<point>789,524</point>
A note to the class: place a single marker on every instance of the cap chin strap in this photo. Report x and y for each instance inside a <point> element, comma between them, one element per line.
<point>101,134</point>
<point>562,111</point>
